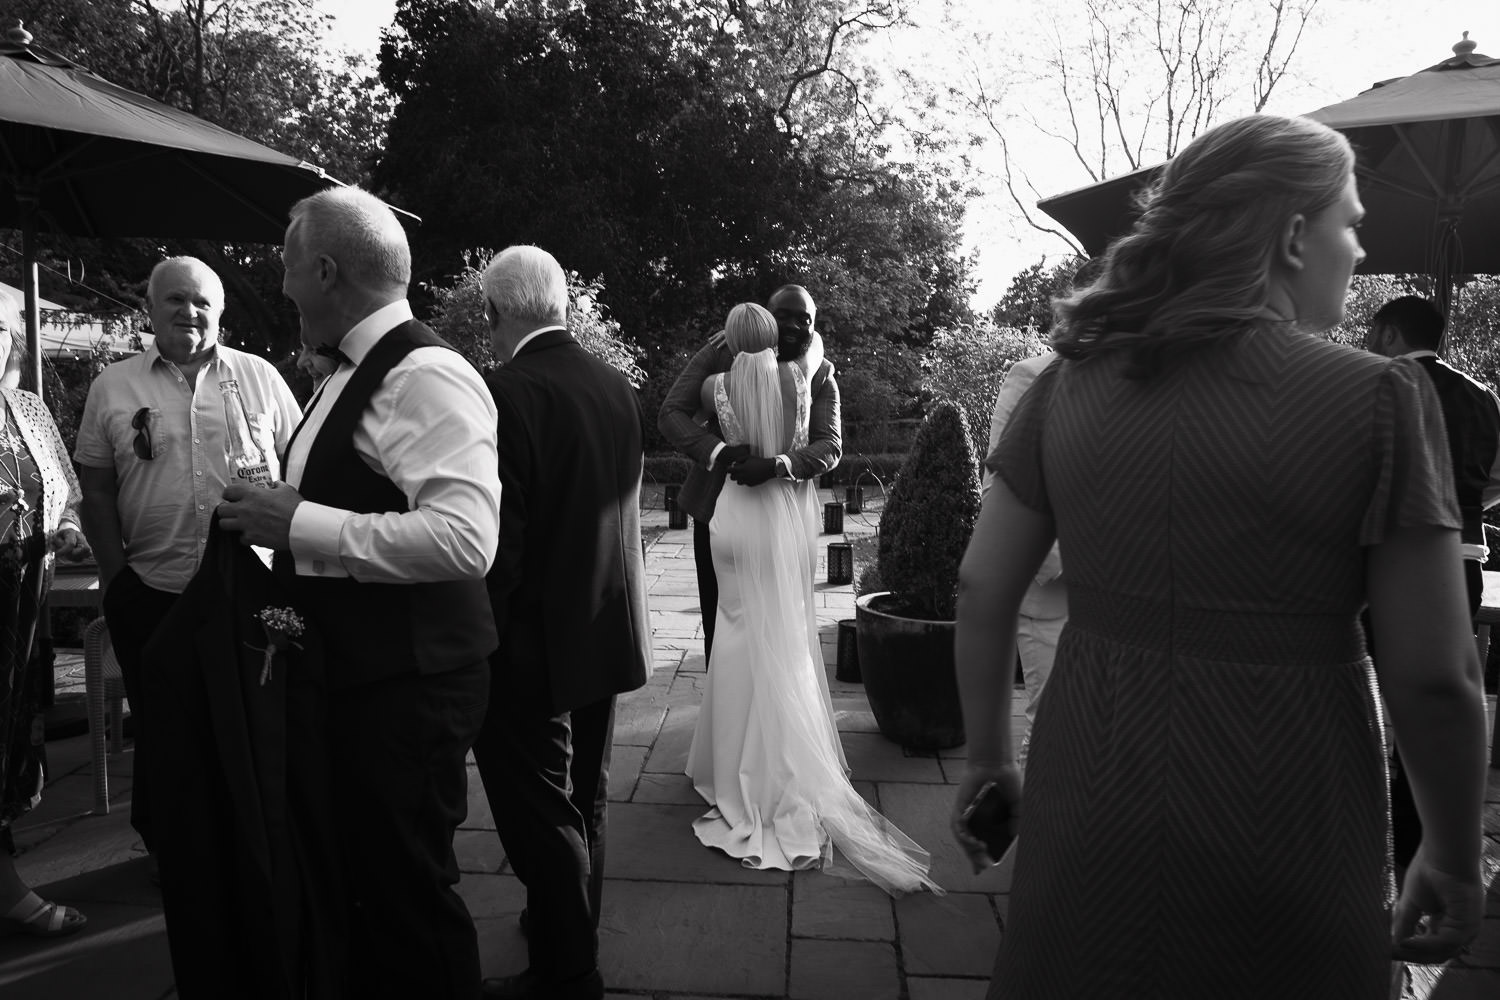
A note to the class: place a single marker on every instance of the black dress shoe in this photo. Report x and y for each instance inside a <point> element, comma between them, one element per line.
<point>529,986</point>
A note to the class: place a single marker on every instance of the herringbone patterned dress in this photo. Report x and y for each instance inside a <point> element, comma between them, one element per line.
<point>1205,811</point>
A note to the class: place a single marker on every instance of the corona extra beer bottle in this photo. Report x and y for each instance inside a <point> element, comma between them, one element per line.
<point>246,459</point>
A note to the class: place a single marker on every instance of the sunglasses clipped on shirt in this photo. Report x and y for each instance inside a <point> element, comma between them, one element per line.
<point>142,443</point>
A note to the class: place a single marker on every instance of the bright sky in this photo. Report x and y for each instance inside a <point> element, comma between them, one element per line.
<point>1358,43</point>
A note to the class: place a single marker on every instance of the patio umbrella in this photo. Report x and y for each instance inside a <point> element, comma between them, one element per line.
<point>81,156</point>
<point>1428,148</point>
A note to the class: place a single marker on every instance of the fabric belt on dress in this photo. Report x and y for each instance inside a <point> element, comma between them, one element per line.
<point>1231,636</point>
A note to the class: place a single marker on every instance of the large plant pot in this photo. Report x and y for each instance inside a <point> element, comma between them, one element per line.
<point>908,672</point>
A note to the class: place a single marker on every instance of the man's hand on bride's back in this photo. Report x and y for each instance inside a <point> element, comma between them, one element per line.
<point>752,471</point>
<point>729,455</point>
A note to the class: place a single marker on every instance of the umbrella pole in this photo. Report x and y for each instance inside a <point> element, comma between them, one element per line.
<point>27,196</point>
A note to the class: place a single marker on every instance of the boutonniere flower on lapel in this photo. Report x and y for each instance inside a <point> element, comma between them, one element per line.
<point>283,627</point>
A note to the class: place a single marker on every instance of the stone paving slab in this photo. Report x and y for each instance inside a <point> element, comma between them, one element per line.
<point>946,989</point>
<point>493,897</point>
<point>825,906</point>
<point>479,851</point>
<point>502,947</point>
<point>824,970</point>
<point>669,754</point>
<point>687,689</point>
<point>921,812</point>
<point>656,842</point>
<point>625,765</point>
<point>121,955</point>
<point>872,757</point>
<point>852,713</point>
<point>668,789</point>
<point>694,938</point>
<point>640,714</point>
<point>479,817</point>
<point>952,935</point>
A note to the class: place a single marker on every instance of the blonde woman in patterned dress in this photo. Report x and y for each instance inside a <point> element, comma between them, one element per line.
<point>1205,810</point>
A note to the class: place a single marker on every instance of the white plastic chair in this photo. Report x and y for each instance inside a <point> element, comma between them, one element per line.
<point>102,683</point>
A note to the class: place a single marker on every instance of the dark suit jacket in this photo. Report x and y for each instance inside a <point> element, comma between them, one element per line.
<point>1472,419</point>
<point>678,424</point>
<point>568,586</point>
<point>240,787</point>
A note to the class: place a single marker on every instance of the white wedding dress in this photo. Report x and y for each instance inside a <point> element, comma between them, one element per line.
<point>766,753</point>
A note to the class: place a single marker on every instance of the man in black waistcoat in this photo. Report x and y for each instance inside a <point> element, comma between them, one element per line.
<point>1412,327</point>
<point>568,591</point>
<point>383,531</point>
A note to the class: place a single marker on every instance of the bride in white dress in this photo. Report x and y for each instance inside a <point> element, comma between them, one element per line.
<point>766,753</point>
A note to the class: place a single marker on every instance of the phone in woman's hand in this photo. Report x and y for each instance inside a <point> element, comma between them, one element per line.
<point>988,819</point>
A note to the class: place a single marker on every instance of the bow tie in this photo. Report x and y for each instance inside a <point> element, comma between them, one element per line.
<point>324,351</point>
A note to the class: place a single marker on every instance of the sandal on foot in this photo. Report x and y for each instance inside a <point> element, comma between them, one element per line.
<point>47,920</point>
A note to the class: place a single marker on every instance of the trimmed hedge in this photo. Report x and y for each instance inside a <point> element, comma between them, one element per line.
<point>672,468</point>
<point>662,469</point>
<point>929,516</point>
<point>882,466</point>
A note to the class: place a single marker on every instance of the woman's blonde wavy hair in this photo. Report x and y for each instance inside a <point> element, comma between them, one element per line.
<point>1195,268</point>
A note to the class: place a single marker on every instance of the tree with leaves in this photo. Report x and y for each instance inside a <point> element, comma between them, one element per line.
<point>693,157</point>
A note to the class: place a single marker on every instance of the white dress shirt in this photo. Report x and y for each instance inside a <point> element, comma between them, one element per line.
<point>430,430</point>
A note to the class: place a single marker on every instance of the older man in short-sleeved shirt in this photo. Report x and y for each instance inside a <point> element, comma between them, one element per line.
<point>152,462</point>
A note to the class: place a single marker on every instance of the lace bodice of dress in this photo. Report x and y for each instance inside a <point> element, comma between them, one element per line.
<point>729,422</point>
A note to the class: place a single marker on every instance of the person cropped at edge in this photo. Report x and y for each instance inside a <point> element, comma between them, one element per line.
<point>1412,327</point>
<point>38,516</point>
<point>383,532</point>
<point>151,459</point>
<point>1044,610</point>
<point>1205,802</point>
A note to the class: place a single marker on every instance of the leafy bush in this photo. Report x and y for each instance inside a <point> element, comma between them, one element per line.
<point>664,363</point>
<point>65,388</point>
<point>929,516</point>
<point>967,364</point>
<point>458,317</point>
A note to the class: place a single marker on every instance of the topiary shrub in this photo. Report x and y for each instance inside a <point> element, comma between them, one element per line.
<point>929,516</point>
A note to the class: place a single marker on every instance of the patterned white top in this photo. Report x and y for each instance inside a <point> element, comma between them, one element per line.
<point>60,492</point>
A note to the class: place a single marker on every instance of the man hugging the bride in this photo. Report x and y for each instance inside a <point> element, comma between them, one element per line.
<point>766,755</point>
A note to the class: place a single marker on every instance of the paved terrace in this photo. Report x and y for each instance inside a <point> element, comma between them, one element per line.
<point>680,921</point>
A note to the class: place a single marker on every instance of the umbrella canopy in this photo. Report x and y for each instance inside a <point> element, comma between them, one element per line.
<point>68,334</point>
<point>81,156</point>
<point>1428,148</point>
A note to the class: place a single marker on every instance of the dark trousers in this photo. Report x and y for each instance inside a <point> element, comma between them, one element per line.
<point>1406,825</point>
<point>547,780</point>
<point>708,585</point>
<point>133,610</point>
<point>397,748</point>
